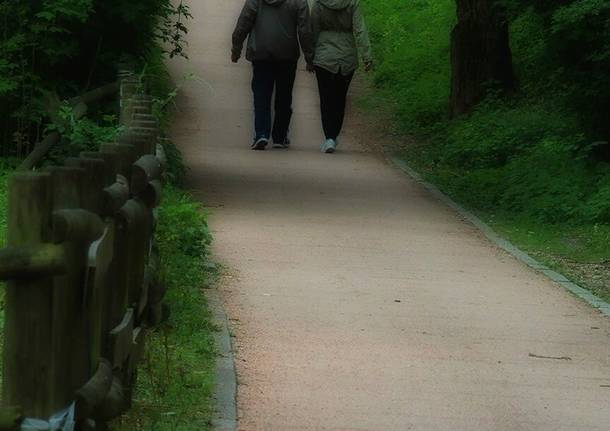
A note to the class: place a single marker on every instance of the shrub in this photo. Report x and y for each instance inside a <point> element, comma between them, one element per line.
<point>497,132</point>
<point>412,56</point>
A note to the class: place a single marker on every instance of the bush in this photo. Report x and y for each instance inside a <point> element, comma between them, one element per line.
<point>182,227</point>
<point>598,204</point>
<point>496,133</point>
<point>412,56</point>
<point>549,182</point>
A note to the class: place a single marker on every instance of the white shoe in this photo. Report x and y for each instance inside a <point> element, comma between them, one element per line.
<point>329,146</point>
<point>260,144</point>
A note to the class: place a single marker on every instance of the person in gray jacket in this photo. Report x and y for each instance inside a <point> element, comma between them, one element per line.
<point>340,35</point>
<point>274,29</point>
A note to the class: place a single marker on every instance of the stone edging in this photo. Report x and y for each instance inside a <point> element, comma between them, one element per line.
<point>225,390</point>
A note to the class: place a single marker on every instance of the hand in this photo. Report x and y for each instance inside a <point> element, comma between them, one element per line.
<point>310,68</point>
<point>235,57</point>
<point>368,66</point>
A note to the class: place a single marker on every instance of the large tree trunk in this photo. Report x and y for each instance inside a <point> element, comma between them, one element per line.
<point>480,53</point>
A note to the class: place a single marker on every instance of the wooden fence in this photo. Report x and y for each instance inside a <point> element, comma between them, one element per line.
<point>82,281</point>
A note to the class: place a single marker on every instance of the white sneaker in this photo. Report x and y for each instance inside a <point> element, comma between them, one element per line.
<point>329,146</point>
<point>260,144</point>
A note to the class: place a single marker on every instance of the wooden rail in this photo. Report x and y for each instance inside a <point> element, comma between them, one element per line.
<point>81,271</point>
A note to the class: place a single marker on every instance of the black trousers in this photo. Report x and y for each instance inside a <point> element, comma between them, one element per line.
<point>268,76</point>
<point>333,94</point>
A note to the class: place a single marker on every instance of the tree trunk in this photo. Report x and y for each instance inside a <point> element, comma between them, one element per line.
<point>480,53</point>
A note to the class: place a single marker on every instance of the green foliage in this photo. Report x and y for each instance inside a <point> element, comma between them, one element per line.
<point>80,135</point>
<point>185,231</point>
<point>67,46</point>
<point>576,37</point>
<point>412,56</point>
<point>529,155</point>
<point>4,173</point>
<point>546,193</point>
<point>497,132</point>
<point>176,169</point>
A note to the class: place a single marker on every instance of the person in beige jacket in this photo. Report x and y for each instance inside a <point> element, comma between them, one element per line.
<point>340,37</point>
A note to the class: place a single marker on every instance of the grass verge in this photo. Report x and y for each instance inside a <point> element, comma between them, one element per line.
<point>175,383</point>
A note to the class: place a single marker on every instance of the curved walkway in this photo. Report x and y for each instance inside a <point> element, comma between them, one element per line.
<point>358,301</point>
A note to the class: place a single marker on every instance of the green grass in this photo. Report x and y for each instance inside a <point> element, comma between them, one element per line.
<point>581,253</point>
<point>176,381</point>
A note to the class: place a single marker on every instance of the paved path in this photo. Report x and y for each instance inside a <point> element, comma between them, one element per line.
<point>358,301</point>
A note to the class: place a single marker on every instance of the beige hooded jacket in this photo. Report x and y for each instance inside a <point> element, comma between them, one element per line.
<point>339,35</point>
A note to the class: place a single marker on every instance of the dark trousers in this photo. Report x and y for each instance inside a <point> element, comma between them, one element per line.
<point>333,94</point>
<point>266,77</point>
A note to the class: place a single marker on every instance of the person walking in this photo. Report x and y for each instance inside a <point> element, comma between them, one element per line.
<point>277,30</point>
<point>339,36</point>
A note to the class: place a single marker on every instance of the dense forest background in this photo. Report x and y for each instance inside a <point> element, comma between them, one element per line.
<point>53,50</point>
<point>539,148</point>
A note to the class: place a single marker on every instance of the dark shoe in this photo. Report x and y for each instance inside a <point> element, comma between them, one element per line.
<point>260,144</point>
<point>284,144</point>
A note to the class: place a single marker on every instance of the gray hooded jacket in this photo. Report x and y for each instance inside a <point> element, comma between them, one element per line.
<point>339,34</point>
<point>274,28</point>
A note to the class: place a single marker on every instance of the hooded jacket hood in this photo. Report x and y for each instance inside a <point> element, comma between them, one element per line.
<point>277,30</point>
<point>336,4</point>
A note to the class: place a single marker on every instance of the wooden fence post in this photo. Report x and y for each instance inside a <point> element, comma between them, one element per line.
<point>29,324</point>
<point>72,301</point>
<point>129,86</point>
